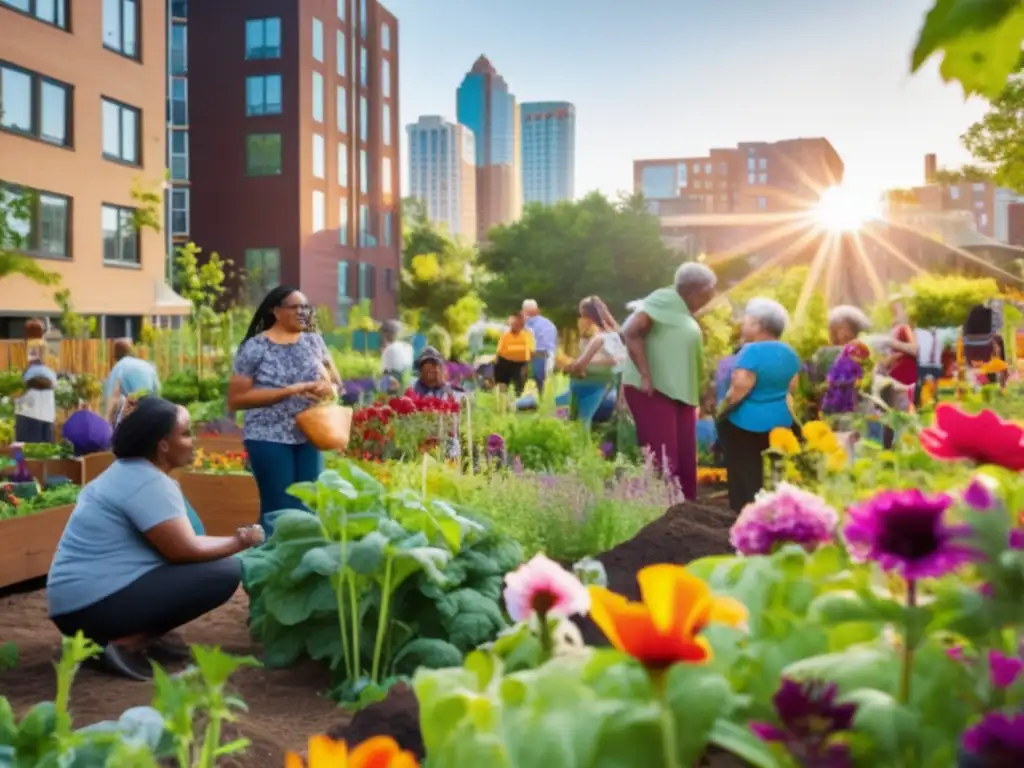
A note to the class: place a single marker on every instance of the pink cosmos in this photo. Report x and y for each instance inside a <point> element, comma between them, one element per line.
<point>1003,669</point>
<point>542,586</point>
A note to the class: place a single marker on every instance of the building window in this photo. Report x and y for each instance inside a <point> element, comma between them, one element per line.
<point>385,36</point>
<point>179,48</point>
<point>121,27</point>
<point>319,211</point>
<point>389,274</point>
<point>707,168</point>
<point>37,221</point>
<point>363,65</point>
<point>658,181</point>
<point>364,172</point>
<point>263,154</point>
<point>385,178</point>
<point>318,40</point>
<point>954,193</point>
<point>341,9</point>
<point>318,97</point>
<point>362,19</point>
<point>982,219</point>
<point>364,120</point>
<point>262,95</point>
<point>751,178</point>
<point>978,186</point>
<point>121,129</point>
<point>179,102</point>
<point>262,272</point>
<point>696,168</point>
<point>762,178</point>
<point>319,164</point>
<point>342,165</point>
<point>179,155</point>
<point>366,237</point>
<point>179,211</point>
<point>385,77</point>
<point>385,127</point>
<point>120,235</point>
<point>263,38</point>
<point>343,222</point>
<point>179,9</point>
<point>366,282</point>
<point>762,203</point>
<point>762,163</point>
<point>340,51</point>
<point>385,236</point>
<point>35,105</point>
<point>53,12</point>
<point>342,108</point>
<point>751,163</point>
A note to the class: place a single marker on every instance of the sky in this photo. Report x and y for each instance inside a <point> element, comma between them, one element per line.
<point>673,78</point>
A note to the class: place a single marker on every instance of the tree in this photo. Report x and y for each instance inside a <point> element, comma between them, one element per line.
<point>16,207</point>
<point>72,324</point>
<point>997,140</point>
<point>563,253</point>
<point>201,284</point>
<point>805,333</point>
<point>965,173</point>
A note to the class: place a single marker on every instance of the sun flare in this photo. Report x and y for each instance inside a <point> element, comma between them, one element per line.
<point>843,210</point>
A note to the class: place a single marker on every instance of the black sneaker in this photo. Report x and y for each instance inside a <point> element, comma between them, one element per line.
<point>169,649</point>
<point>127,663</point>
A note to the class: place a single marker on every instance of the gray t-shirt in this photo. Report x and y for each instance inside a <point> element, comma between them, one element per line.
<point>273,366</point>
<point>103,549</point>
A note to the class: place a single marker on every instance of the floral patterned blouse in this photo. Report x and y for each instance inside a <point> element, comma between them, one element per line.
<point>273,366</point>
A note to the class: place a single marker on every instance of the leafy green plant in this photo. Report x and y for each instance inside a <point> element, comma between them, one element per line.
<point>544,443</point>
<point>43,451</point>
<point>13,502</point>
<point>374,582</point>
<point>186,387</point>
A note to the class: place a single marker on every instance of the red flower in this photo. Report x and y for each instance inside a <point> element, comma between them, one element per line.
<point>983,438</point>
<point>402,405</point>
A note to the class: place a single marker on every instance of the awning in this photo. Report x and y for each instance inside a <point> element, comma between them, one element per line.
<point>168,302</point>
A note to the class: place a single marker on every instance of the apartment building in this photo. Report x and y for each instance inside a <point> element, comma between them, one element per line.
<point>82,100</point>
<point>769,177</point>
<point>293,146</point>
<point>442,173</point>
<point>549,151</point>
<point>488,108</point>
<point>177,227</point>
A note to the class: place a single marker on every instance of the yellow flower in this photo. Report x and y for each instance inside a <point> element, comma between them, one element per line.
<point>784,441</point>
<point>827,443</point>
<point>889,457</point>
<point>814,431</point>
<point>837,461</point>
<point>994,366</point>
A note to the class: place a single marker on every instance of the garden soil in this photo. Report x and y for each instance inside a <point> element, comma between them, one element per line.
<point>285,706</point>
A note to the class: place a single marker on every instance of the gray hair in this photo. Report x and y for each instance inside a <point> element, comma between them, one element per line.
<point>769,314</point>
<point>852,316</point>
<point>693,276</point>
<point>529,305</point>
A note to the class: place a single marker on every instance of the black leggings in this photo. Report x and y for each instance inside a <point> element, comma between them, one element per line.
<point>154,604</point>
<point>744,464</point>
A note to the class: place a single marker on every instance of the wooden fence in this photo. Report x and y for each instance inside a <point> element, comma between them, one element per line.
<point>96,356</point>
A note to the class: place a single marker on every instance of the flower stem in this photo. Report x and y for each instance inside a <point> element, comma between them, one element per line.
<point>353,602</point>
<point>909,641</point>
<point>339,593</point>
<point>668,724</point>
<point>382,620</point>
<point>547,645</point>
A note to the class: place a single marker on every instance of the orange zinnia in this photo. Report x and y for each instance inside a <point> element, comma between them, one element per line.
<point>378,752</point>
<point>665,627</point>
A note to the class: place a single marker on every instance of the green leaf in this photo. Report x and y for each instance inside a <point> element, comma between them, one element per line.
<point>858,667</point>
<point>697,696</point>
<point>406,562</point>
<point>294,604</point>
<point>325,560</point>
<point>38,724</point>
<point>216,666</point>
<point>469,618</point>
<point>296,524</point>
<point>323,641</point>
<point>366,556</point>
<point>893,729</point>
<point>843,607</point>
<point>282,645</point>
<point>738,740</point>
<point>427,652</point>
<point>630,736</point>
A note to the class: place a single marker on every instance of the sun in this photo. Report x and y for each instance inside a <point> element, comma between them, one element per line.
<point>842,210</point>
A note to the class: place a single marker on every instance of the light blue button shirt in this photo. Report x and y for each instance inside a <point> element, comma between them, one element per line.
<point>545,335</point>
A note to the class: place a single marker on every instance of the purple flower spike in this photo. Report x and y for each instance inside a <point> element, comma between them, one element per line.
<point>907,532</point>
<point>1003,670</point>
<point>998,739</point>
<point>979,495</point>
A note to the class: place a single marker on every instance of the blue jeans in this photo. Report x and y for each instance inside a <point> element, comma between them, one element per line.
<point>587,397</point>
<point>276,467</point>
<point>539,371</point>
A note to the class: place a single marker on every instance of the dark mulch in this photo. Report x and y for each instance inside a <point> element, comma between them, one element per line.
<point>397,716</point>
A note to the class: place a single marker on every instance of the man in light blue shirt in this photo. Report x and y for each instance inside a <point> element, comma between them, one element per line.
<point>545,335</point>
<point>129,376</point>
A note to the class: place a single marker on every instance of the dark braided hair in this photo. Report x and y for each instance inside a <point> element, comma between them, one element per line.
<point>264,319</point>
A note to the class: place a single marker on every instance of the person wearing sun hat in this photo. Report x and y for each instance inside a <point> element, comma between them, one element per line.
<point>430,375</point>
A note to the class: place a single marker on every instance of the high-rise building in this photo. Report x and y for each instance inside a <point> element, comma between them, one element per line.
<point>442,173</point>
<point>177,227</point>
<point>82,103</point>
<point>549,151</point>
<point>487,107</point>
<point>293,123</point>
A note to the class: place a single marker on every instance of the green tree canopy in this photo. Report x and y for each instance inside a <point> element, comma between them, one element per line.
<point>15,219</point>
<point>997,140</point>
<point>563,253</point>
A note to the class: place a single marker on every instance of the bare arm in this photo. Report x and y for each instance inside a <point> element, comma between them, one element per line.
<point>242,395</point>
<point>39,382</point>
<point>113,401</point>
<point>178,543</point>
<point>580,363</point>
<point>742,382</point>
<point>793,386</point>
<point>634,334</point>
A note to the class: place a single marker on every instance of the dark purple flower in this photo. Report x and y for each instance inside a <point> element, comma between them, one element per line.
<point>998,739</point>
<point>608,449</point>
<point>495,444</point>
<point>979,495</point>
<point>906,531</point>
<point>1003,670</point>
<point>1017,538</point>
<point>810,717</point>
<point>21,473</point>
<point>842,378</point>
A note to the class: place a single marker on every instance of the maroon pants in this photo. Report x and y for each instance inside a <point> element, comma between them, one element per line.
<point>667,428</point>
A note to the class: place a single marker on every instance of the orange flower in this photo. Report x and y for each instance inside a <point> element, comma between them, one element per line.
<point>664,628</point>
<point>378,752</point>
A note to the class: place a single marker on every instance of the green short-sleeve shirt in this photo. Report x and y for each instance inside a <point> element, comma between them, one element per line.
<point>675,348</point>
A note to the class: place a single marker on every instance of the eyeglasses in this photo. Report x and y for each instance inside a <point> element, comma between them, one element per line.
<point>298,307</point>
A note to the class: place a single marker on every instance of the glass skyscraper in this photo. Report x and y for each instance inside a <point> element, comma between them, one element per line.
<point>442,173</point>
<point>549,151</point>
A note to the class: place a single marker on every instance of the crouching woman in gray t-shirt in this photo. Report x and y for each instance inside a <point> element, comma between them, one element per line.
<point>129,569</point>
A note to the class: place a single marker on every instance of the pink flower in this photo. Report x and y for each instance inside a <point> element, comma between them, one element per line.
<point>542,586</point>
<point>1003,670</point>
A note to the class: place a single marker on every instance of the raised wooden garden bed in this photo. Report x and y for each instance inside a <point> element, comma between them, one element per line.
<point>27,544</point>
<point>223,502</point>
<point>220,444</point>
<point>78,470</point>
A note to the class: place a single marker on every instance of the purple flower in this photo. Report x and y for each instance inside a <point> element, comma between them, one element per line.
<point>495,444</point>
<point>1016,538</point>
<point>842,378</point>
<point>21,473</point>
<point>608,449</point>
<point>1003,670</point>
<point>998,739</point>
<point>787,514</point>
<point>979,495</point>
<point>810,717</point>
<point>906,531</point>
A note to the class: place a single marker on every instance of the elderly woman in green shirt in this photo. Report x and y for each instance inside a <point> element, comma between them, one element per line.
<point>664,374</point>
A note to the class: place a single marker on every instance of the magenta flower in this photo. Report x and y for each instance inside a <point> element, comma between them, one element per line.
<point>543,587</point>
<point>810,717</point>
<point>979,494</point>
<point>786,514</point>
<point>907,532</point>
<point>998,739</point>
<point>495,444</point>
<point>1003,670</point>
<point>1017,538</point>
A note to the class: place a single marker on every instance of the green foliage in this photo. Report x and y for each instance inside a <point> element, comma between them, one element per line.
<point>440,339</point>
<point>543,443</point>
<point>201,284</point>
<point>939,301</point>
<point>185,387</point>
<point>594,246</point>
<point>15,218</point>
<point>965,173</point>
<point>997,139</point>
<point>806,333</point>
<point>355,365</point>
<point>72,324</point>
<point>148,198</point>
<point>979,41</point>
<point>374,582</point>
